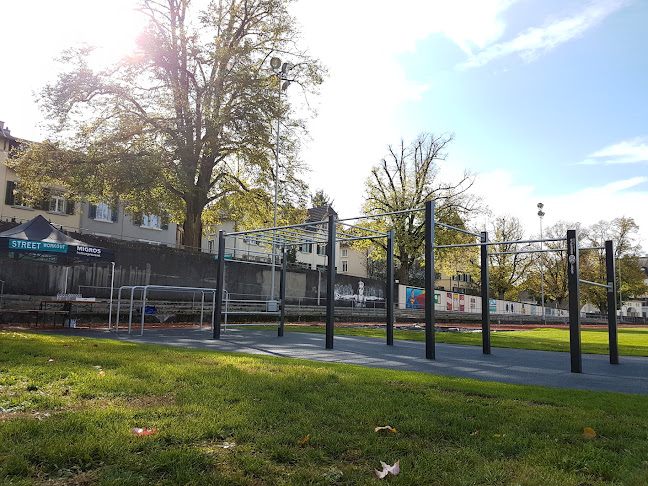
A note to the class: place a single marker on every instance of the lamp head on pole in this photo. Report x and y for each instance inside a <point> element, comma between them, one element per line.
<point>275,63</point>
<point>540,211</point>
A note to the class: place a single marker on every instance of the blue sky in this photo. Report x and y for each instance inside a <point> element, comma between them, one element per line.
<point>547,99</point>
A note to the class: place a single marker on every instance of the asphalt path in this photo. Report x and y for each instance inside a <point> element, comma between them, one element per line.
<point>505,365</point>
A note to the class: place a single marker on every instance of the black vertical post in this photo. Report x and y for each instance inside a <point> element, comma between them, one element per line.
<point>485,295</point>
<point>573,285</point>
<point>282,292</point>
<point>330,283</point>
<point>611,302</point>
<point>390,287</point>
<point>220,280</point>
<point>430,345</point>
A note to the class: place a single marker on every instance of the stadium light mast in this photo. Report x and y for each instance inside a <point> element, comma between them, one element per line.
<point>541,215</point>
<point>280,70</point>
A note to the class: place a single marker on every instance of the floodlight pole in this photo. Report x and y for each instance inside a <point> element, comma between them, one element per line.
<point>280,72</point>
<point>541,215</point>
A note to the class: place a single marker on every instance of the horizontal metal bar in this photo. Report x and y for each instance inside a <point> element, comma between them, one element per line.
<point>381,214</point>
<point>265,313</point>
<point>526,251</point>
<point>457,229</point>
<point>593,248</point>
<point>595,283</point>
<point>312,223</point>
<point>491,243</point>
<point>364,229</point>
<point>354,238</point>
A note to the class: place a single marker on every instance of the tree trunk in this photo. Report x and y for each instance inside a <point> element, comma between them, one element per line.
<point>192,226</point>
<point>401,273</point>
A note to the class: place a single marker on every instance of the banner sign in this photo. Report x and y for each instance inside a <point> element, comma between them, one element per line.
<point>37,246</point>
<point>89,251</point>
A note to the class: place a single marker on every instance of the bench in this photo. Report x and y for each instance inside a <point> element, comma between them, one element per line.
<point>38,312</point>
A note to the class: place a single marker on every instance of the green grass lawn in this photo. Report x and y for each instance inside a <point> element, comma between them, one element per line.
<point>67,407</point>
<point>632,341</point>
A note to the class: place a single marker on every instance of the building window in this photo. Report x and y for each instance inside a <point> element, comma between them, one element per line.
<point>345,252</point>
<point>151,221</point>
<point>103,212</point>
<point>345,266</point>
<point>307,248</point>
<point>57,204</point>
<point>321,249</point>
<point>13,197</point>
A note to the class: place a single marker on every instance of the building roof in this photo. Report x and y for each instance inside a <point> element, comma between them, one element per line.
<point>320,213</point>
<point>5,133</point>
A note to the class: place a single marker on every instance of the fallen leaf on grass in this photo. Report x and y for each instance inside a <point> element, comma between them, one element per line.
<point>51,359</point>
<point>589,432</point>
<point>137,431</point>
<point>226,445</point>
<point>386,469</point>
<point>476,432</point>
<point>385,427</point>
<point>304,440</point>
<point>102,373</point>
<point>95,345</point>
<point>66,345</point>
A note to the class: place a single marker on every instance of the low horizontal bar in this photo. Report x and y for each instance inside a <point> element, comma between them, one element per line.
<point>593,248</point>
<point>457,229</point>
<point>264,313</point>
<point>595,283</point>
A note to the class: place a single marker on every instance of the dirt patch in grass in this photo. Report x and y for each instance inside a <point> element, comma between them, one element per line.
<point>86,478</point>
<point>148,401</point>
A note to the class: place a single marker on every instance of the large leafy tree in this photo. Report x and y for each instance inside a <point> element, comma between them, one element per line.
<point>185,123</point>
<point>623,232</point>
<point>406,179</point>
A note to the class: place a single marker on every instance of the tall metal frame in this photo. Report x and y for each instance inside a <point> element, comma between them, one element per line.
<point>328,232</point>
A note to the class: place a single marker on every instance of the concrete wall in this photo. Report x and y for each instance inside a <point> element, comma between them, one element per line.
<point>143,264</point>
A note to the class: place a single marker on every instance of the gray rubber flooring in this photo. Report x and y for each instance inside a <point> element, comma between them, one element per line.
<point>503,365</point>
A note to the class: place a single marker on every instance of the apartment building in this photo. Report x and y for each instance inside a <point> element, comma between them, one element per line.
<point>309,255</point>
<point>100,219</point>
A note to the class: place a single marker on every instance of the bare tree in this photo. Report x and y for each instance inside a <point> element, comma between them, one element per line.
<point>406,179</point>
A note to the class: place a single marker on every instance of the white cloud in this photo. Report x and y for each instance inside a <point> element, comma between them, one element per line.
<point>367,87</point>
<point>504,195</point>
<point>536,41</point>
<point>626,152</point>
